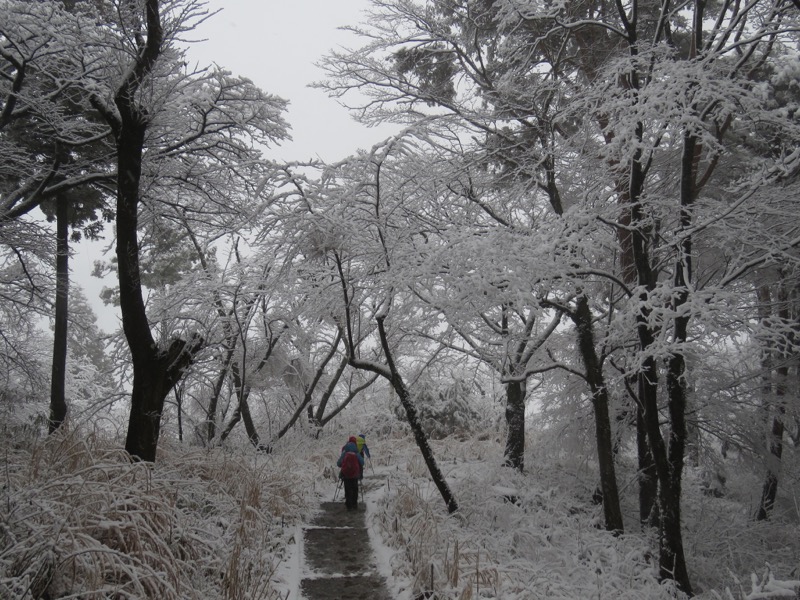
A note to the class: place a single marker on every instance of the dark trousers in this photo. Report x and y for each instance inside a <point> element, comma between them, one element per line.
<point>351,493</point>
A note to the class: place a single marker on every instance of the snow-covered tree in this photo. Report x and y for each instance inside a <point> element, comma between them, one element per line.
<point>621,115</point>
<point>167,125</point>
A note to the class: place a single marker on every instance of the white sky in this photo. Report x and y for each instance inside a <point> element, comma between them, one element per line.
<point>275,43</point>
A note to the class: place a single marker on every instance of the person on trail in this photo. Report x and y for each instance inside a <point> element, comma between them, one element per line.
<point>351,464</point>
<point>363,450</point>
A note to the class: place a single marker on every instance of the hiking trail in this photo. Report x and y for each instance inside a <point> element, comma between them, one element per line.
<point>337,561</point>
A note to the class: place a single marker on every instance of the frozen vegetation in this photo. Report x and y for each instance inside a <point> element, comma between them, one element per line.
<point>80,520</point>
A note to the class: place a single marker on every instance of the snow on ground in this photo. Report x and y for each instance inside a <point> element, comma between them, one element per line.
<point>80,519</point>
<point>399,586</point>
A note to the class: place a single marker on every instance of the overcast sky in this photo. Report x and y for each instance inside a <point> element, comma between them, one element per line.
<point>275,43</point>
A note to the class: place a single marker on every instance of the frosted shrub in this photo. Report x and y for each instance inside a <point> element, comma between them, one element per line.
<point>444,410</point>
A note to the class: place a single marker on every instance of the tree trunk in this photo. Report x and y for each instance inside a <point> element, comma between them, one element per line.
<point>308,392</point>
<point>668,468</point>
<point>669,457</point>
<point>648,479</point>
<point>775,409</point>
<point>770,490</point>
<point>213,403</point>
<point>179,406</point>
<point>672,561</point>
<point>242,410</point>
<point>514,455</point>
<point>403,394</point>
<point>155,370</point>
<point>636,270</point>
<point>389,371</point>
<point>603,436</point>
<point>422,443</point>
<point>235,418</point>
<point>153,378</point>
<point>316,416</point>
<point>324,420</point>
<point>58,401</point>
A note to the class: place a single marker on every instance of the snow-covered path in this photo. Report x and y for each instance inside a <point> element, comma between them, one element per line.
<point>338,559</point>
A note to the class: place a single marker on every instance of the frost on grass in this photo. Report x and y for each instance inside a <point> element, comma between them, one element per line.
<point>80,520</point>
<point>518,541</point>
<point>539,536</point>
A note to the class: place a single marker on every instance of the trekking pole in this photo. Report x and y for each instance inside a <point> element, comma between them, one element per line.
<point>338,487</point>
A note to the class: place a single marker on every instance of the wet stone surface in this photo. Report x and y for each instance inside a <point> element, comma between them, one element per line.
<point>339,561</point>
<point>359,587</point>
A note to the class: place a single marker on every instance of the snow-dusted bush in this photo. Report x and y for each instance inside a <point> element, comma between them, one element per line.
<point>445,410</point>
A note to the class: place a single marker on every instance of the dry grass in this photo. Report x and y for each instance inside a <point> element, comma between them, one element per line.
<point>80,520</point>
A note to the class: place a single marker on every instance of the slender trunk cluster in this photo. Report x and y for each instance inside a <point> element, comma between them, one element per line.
<point>582,317</point>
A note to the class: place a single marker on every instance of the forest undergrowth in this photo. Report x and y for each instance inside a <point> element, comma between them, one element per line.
<point>80,520</point>
<point>539,535</point>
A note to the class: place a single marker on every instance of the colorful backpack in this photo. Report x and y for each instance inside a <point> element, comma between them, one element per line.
<point>351,469</point>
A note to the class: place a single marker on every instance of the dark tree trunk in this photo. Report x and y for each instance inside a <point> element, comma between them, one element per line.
<point>308,392</point>
<point>235,418</point>
<point>603,435</point>
<point>673,559</point>
<point>155,370</point>
<point>668,467</point>
<point>770,490</point>
<point>422,443</point>
<point>514,455</point>
<point>242,412</point>
<point>668,457</point>
<point>153,378</point>
<point>317,415</point>
<point>179,406</point>
<point>325,419</point>
<point>636,270</point>
<point>648,479</point>
<point>58,401</point>
<point>247,419</point>
<point>213,403</point>
<point>391,374</point>
<point>775,412</point>
<point>403,394</point>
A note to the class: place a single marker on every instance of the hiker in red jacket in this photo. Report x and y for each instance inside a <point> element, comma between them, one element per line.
<point>351,464</point>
